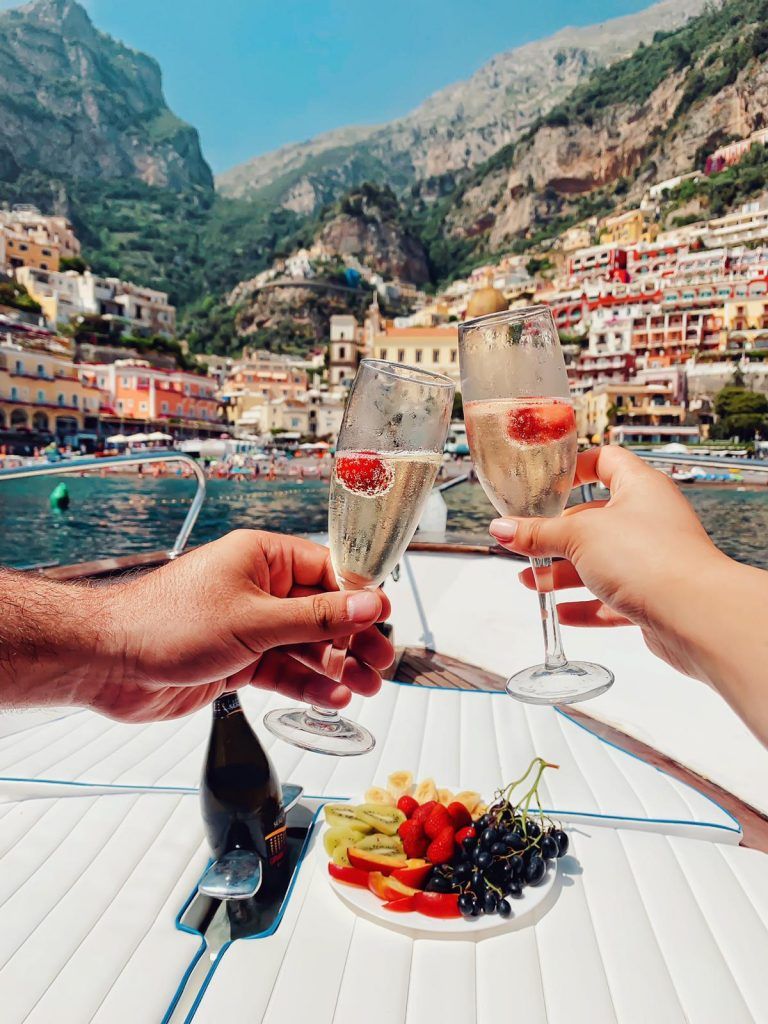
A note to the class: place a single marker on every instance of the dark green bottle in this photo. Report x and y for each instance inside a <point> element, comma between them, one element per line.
<point>240,793</point>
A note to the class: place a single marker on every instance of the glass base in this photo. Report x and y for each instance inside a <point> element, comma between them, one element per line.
<point>322,733</point>
<point>574,682</point>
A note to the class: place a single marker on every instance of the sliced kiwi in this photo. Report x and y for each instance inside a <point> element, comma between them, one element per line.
<point>342,835</point>
<point>340,857</point>
<point>383,819</point>
<point>346,814</point>
<point>385,846</point>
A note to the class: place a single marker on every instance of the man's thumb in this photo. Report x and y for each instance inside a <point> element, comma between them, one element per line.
<point>300,620</point>
<point>540,537</point>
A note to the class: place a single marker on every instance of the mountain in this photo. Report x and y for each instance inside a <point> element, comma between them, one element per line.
<point>365,229</point>
<point>456,128</point>
<point>653,115</point>
<point>76,103</point>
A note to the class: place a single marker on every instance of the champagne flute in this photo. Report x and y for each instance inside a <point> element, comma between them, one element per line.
<point>521,431</point>
<point>389,450</point>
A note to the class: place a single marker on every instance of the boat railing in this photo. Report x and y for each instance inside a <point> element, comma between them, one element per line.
<point>80,465</point>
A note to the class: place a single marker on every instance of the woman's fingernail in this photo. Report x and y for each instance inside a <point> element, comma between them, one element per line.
<point>363,606</point>
<point>503,529</point>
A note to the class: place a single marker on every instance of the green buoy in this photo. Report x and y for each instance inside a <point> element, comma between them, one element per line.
<point>59,497</point>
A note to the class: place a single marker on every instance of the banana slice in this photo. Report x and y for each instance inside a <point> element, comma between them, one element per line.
<point>377,795</point>
<point>479,811</point>
<point>345,814</point>
<point>445,797</point>
<point>383,845</point>
<point>383,819</point>
<point>399,783</point>
<point>425,791</point>
<point>342,835</point>
<point>469,798</point>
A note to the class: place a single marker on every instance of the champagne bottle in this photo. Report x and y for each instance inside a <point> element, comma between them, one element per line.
<point>240,794</point>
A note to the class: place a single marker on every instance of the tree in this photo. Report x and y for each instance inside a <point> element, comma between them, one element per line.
<point>73,263</point>
<point>740,413</point>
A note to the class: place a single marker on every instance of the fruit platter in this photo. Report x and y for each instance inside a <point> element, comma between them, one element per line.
<point>428,859</point>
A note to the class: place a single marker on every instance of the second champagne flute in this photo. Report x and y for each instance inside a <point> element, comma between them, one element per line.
<point>389,450</point>
<point>521,431</point>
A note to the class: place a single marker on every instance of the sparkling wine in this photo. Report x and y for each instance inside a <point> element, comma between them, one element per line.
<point>524,451</point>
<point>374,508</point>
<point>240,793</point>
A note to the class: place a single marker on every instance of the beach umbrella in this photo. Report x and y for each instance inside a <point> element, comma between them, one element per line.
<point>117,439</point>
<point>137,439</point>
<point>158,435</point>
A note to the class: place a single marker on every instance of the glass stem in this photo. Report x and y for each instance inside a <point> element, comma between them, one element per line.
<point>334,668</point>
<point>554,657</point>
<point>325,715</point>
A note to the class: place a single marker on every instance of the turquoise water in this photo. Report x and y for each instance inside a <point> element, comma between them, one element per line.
<point>127,514</point>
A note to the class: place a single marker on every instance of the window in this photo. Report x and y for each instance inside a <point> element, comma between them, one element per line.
<point>142,406</point>
<point>19,366</point>
<point>435,355</point>
<point>41,396</point>
<point>342,351</point>
<point>23,247</point>
<point>382,353</point>
<point>74,400</point>
<point>401,355</point>
<point>165,408</point>
<point>454,355</point>
<point>119,405</point>
<point>417,355</point>
<point>14,394</point>
<point>40,370</point>
<point>43,266</point>
<point>60,399</point>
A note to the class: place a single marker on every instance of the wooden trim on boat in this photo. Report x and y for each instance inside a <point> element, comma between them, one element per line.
<point>421,667</point>
<point>102,568</point>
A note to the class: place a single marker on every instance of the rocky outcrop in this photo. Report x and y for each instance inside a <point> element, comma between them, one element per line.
<point>456,128</point>
<point>76,103</point>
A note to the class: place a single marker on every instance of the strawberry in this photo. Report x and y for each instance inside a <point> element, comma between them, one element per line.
<point>459,814</point>
<point>540,422</point>
<point>407,805</point>
<point>442,847</point>
<point>363,472</point>
<point>414,841</point>
<point>437,821</point>
<point>423,812</point>
<point>462,834</point>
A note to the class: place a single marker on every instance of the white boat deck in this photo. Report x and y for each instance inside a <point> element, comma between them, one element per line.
<point>659,915</point>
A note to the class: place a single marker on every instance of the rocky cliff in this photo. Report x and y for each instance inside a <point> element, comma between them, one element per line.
<point>644,119</point>
<point>458,127</point>
<point>76,103</point>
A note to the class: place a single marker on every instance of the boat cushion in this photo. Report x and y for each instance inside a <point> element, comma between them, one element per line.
<point>463,739</point>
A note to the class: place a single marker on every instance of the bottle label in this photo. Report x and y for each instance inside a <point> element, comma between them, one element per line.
<point>276,844</point>
<point>225,705</point>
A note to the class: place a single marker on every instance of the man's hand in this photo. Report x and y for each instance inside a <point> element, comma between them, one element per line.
<point>250,609</point>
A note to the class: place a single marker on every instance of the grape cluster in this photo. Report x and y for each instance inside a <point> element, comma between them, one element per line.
<point>509,849</point>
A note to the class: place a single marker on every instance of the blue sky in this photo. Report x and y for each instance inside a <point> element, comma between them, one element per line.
<point>252,75</point>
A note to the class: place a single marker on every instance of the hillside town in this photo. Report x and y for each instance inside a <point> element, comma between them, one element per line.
<point>654,324</point>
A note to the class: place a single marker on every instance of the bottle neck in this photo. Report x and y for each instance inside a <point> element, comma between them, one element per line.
<point>227,704</point>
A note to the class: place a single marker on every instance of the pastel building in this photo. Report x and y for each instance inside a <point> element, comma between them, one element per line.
<point>142,393</point>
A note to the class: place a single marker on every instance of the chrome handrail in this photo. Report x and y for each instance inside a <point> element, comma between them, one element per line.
<point>708,461</point>
<point>78,465</point>
<point>448,484</point>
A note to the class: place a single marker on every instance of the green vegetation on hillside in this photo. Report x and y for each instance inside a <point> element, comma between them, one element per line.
<point>728,188</point>
<point>728,37</point>
<point>740,413</point>
<point>16,295</point>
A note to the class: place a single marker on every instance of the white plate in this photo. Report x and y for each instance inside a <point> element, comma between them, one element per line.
<point>529,908</point>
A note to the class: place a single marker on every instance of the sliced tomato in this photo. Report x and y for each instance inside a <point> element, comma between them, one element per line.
<point>437,904</point>
<point>401,906</point>
<point>540,422</point>
<point>366,860</point>
<point>414,876</point>
<point>352,876</point>
<point>363,472</point>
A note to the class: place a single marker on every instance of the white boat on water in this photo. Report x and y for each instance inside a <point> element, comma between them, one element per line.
<point>657,913</point>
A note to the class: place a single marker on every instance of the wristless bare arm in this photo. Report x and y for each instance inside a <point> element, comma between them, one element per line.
<point>647,560</point>
<point>250,609</point>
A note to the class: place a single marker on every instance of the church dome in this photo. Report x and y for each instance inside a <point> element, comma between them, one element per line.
<point>485,301</point>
